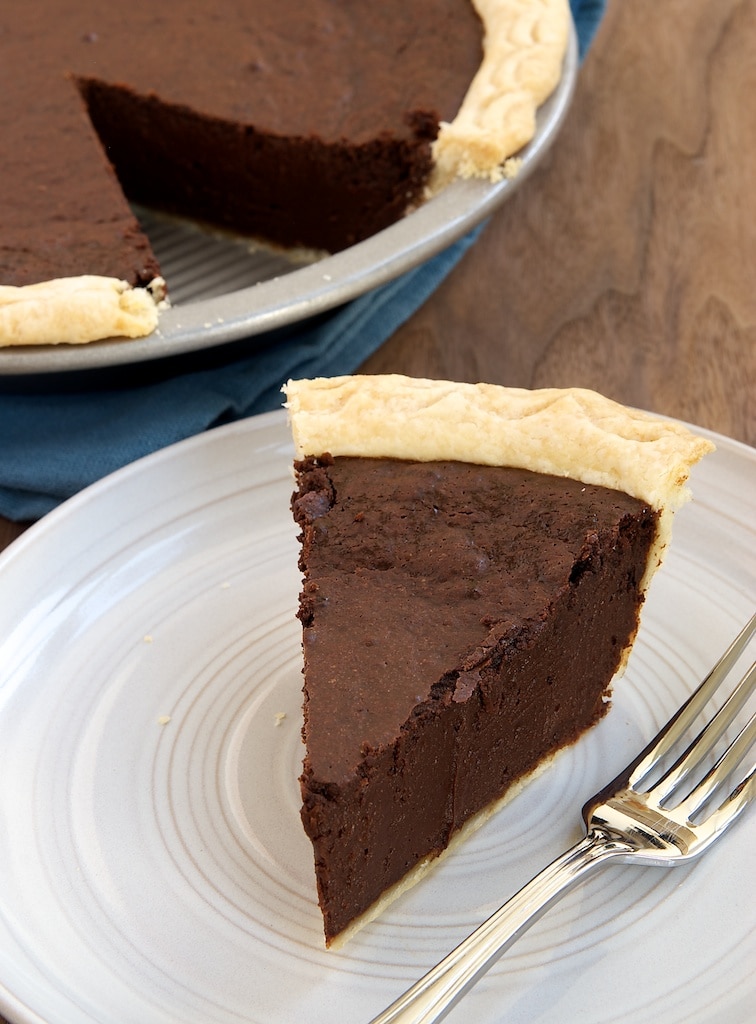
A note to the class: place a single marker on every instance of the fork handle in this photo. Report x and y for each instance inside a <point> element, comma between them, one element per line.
<point>431,998</point>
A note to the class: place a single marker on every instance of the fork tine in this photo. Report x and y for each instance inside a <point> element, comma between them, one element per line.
<point>682,719</point>
<point>703,743</point>
<point>726,764</point>
<point>733,806</point>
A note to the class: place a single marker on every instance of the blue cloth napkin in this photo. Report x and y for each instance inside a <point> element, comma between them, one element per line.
<point>55,444</point>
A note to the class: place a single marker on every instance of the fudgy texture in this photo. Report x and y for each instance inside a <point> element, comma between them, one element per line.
<point>460,624</point>
<point>307,123</point>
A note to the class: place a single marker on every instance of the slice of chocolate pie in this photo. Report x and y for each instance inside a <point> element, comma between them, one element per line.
<point>475,560</point>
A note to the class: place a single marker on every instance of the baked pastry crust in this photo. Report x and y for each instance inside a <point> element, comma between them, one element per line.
<point>572,432</point>
<point>76,310</point>
<point>524,44</point>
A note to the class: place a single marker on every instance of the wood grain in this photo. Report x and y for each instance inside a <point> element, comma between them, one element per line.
<point>8,532</point>
<point>627,263</point>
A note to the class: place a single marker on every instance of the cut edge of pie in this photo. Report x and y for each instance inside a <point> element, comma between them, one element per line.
<point>571,432</point>
<point>429,863</point>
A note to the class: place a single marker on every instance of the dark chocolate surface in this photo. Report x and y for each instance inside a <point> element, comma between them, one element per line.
<point>461,623</point>
<point>205,108</point>
<point>419,573</point>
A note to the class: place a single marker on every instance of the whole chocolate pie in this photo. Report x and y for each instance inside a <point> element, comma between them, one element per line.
<point>307,124</point>
<point>475,560</point>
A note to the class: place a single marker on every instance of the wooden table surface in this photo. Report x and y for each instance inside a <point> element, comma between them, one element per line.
<point>628,262</point>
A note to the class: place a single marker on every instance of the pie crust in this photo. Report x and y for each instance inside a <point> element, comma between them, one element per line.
<point>524,43</point>
<point>570,432</point>
<point>566,432</point>
<point>77,310</point>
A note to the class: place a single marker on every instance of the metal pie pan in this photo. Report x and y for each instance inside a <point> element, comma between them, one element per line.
<point>225,289</point>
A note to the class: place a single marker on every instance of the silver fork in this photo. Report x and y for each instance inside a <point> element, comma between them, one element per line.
<point>654,812</point>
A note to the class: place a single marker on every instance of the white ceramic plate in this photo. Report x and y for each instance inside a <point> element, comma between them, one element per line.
<point>156,873</point>
<point>224,290</point>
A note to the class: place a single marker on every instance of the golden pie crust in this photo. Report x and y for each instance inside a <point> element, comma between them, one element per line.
<point>76,310</point>
<point>565,432</point>
<point>524,43</point>
<point>570,432</point>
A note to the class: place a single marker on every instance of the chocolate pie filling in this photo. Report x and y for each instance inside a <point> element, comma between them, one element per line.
<point>460,625</point>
